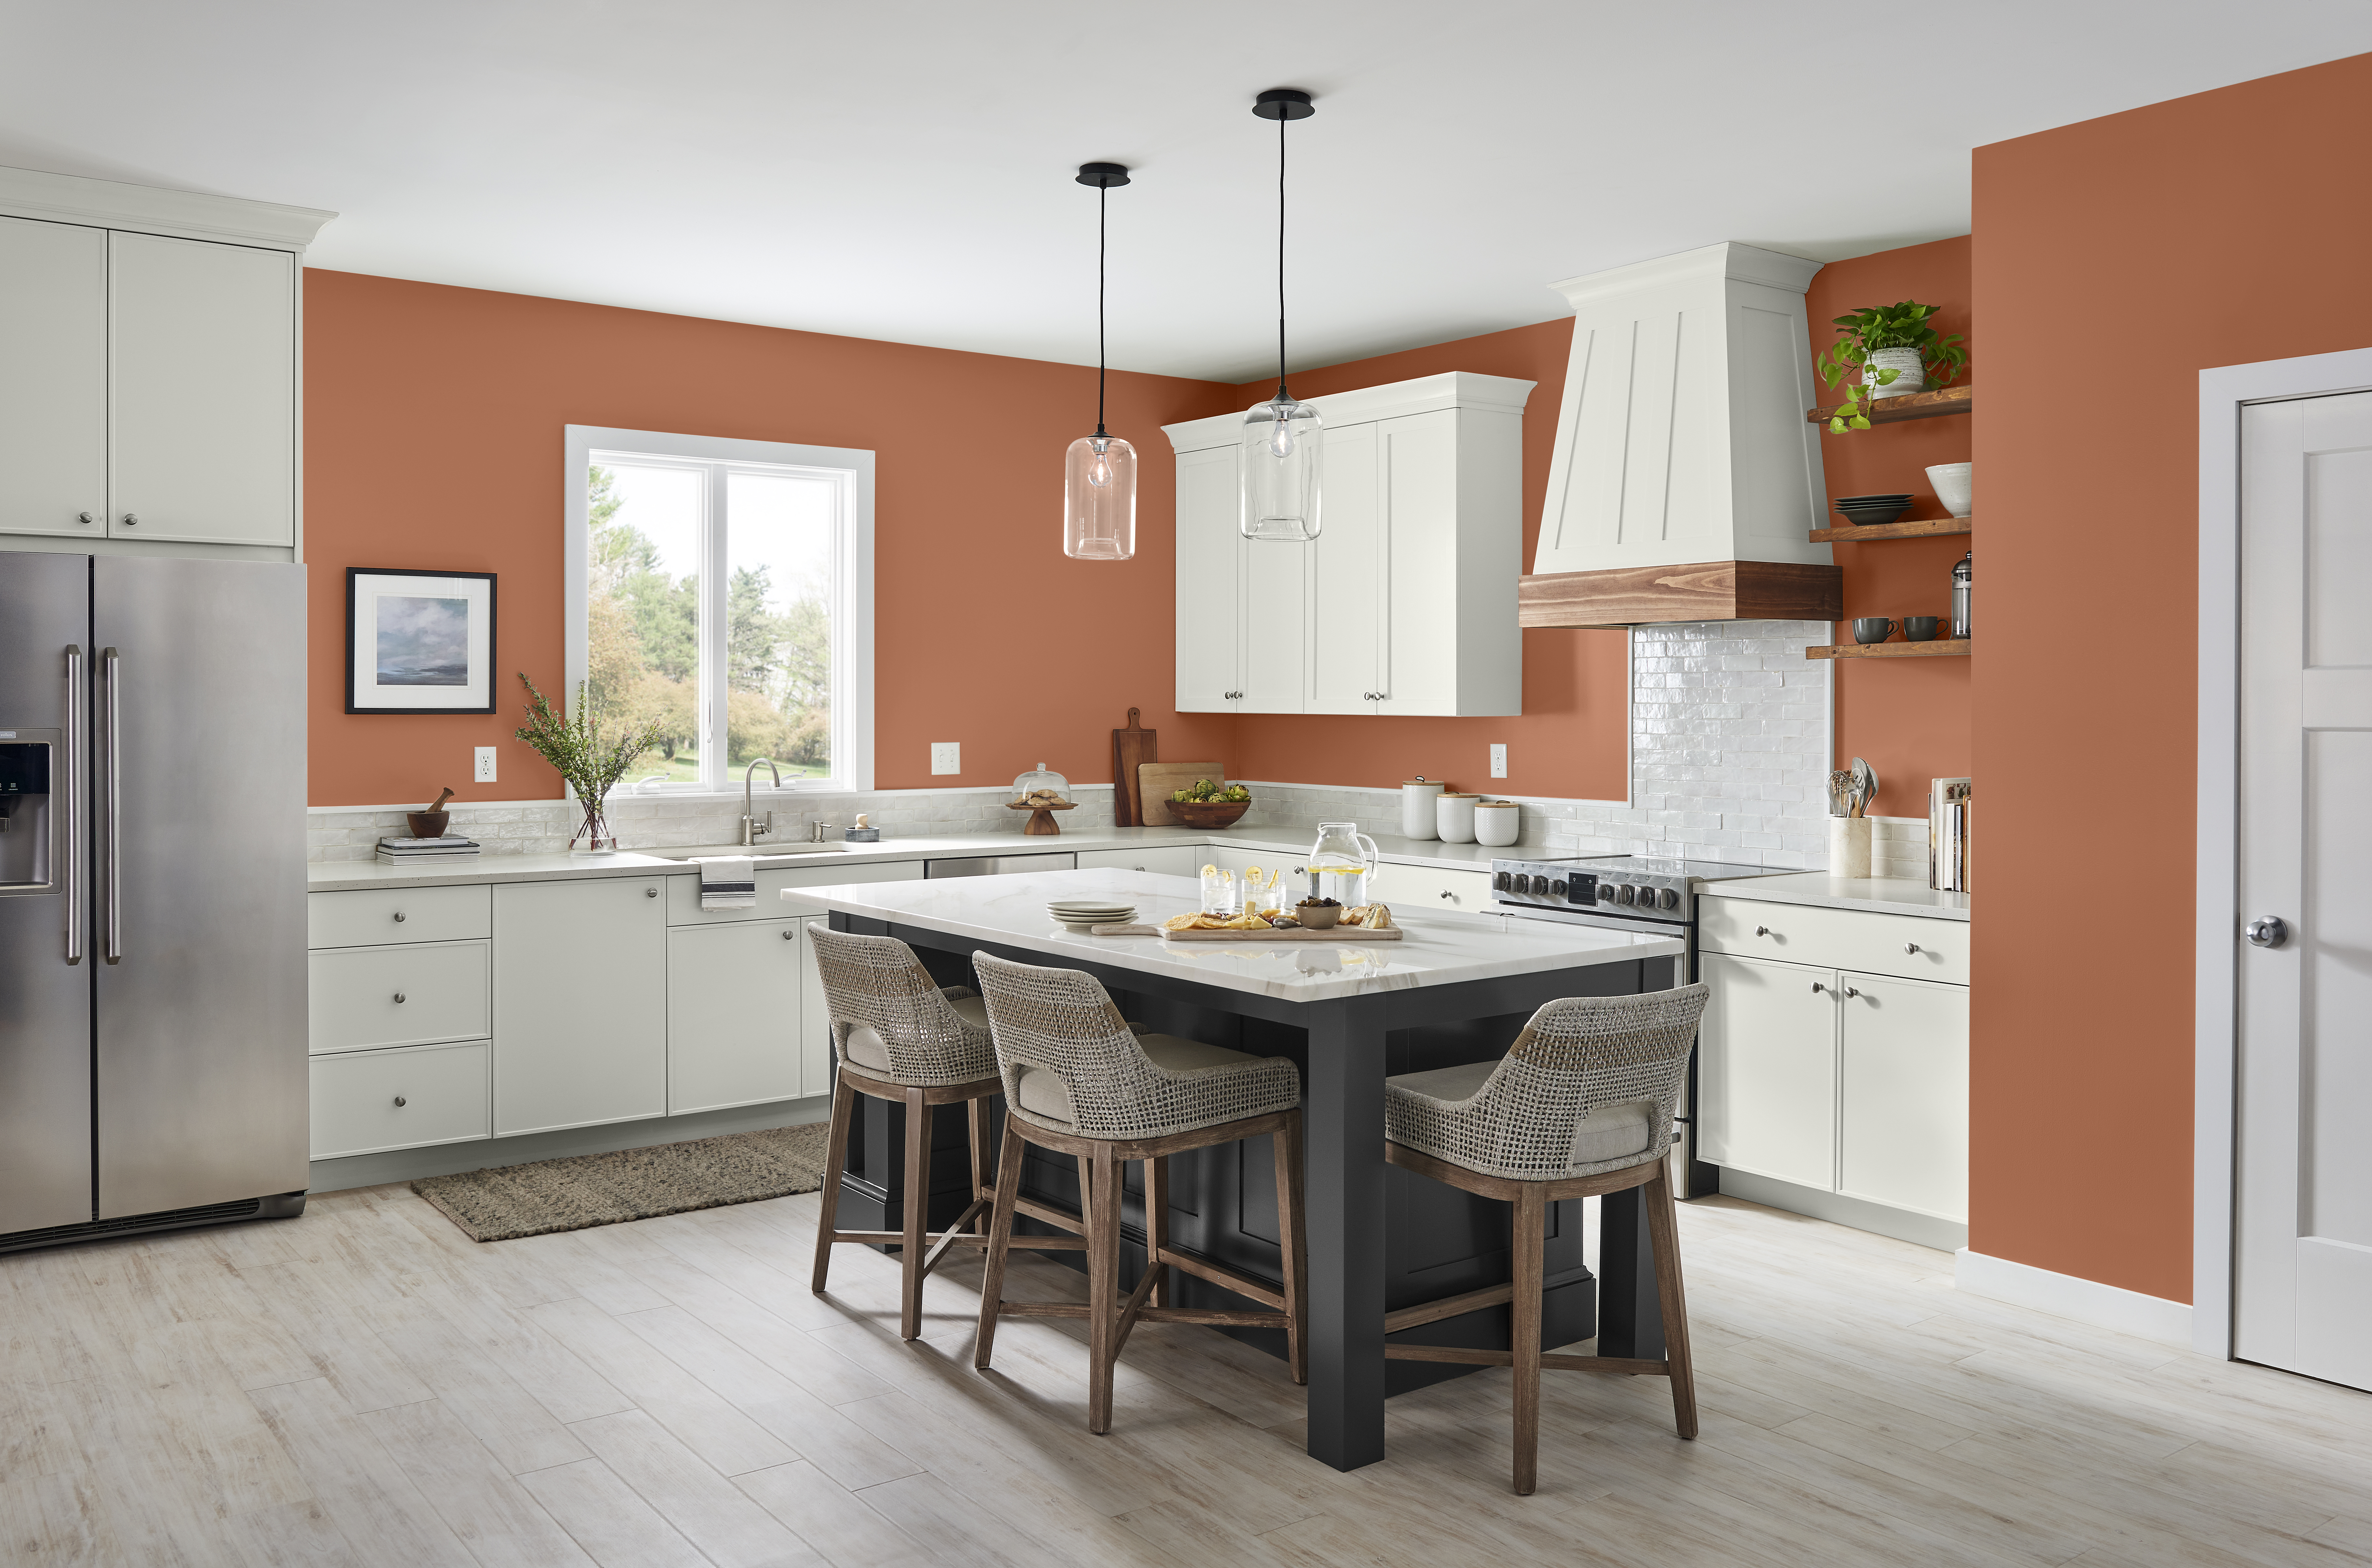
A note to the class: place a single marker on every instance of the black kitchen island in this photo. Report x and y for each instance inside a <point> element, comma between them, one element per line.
<point>1456,989</point>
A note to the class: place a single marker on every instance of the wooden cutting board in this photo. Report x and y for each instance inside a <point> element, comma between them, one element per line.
<point>1157,781</point>
<point>1132,749</point>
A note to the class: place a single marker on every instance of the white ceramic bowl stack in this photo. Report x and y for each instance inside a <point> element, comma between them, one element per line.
<point>1083,915</point>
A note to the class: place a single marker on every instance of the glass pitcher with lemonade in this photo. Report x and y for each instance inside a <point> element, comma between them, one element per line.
<point>1343,863</point>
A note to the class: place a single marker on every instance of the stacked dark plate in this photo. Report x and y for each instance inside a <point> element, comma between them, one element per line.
<point>1860,509</point>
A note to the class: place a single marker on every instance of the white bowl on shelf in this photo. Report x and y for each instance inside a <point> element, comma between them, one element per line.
<point>1952,487</point>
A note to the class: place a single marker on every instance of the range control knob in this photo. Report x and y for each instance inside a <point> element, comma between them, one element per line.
<point>1606,893</point>
<point>1669,898</point>
<point>1626,894</point>
<point>1502,881</point>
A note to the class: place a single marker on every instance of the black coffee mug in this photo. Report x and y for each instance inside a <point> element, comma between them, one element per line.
<point>1921,628</point>
<point>1872,628</point>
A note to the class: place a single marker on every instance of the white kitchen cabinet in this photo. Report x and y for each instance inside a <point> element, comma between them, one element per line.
<point>1424,888</point>
<point>370,917</point>
<point>1406,601</point>
<point>1162,860</point>
<point>1902,1112</point>
<point>368,1101</point>
<point>53,378</point>
<point>1767,1069</point>
<point>359,998</point>
<point>202,391</point>
<point>580,1003</point>
<point>734,1026</point>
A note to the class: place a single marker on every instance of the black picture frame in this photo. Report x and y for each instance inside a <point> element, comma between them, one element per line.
<point>369,696</point>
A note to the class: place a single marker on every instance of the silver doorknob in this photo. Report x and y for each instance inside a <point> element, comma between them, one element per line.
<point>1911,947</point>
<point>2269,931</point>
<point>399,1100</point>
<point>399,917</point>
<point>131,519</point>
<point>399,996</point>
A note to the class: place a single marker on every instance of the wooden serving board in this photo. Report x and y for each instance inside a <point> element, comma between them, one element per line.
<point>1292,934</point>
<point>1157,781</point>
<point>1132,749</point>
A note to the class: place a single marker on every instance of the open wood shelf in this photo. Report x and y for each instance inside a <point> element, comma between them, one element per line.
<point>1940,648</point>
<point>1914,405</point>
<point>1925,528</point>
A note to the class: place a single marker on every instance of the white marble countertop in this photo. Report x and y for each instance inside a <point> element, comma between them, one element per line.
<point>328,876</point>
<point>1882,895</point>
<point>1439,949</point>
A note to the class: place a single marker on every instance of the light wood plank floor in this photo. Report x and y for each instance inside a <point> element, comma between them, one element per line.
<point>365,1385</point>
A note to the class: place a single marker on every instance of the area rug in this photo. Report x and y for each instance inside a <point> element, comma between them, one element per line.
<point>632,1184</point>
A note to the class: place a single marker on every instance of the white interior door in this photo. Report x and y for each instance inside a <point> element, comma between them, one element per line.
<point>2304,1198</point>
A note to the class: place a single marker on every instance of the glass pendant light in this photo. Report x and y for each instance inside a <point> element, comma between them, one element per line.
<point>1283,438</point>
<point>1099,475</point>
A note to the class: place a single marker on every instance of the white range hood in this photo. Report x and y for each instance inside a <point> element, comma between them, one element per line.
<point>1686,477</point>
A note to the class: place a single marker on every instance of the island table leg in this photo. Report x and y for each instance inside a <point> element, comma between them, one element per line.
<point>1343,1175</point>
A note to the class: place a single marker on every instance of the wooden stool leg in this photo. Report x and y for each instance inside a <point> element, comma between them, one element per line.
<point>917,1207</point>
<point>1000,1241</point>
<point>1296,1244</point>
<point>976,1118</point>
<point>843,1104</point>
<point>1529,1221</point>
<point>1664,1231</point>
<point>1103,1287</point>
<point>1157,1226</point>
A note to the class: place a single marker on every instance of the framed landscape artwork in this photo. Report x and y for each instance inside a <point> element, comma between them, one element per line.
<point>419,642</point>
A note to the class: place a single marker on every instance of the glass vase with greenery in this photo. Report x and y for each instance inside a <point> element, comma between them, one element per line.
<point>591,754</point>
<point>1862,333</point>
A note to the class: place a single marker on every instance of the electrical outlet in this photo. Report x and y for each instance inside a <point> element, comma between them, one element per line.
<point>946,755</point>
<point>1499,761</point>
<point>485,771</point>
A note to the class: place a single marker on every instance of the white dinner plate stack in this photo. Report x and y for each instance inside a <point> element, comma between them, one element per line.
<point>1084,914</point>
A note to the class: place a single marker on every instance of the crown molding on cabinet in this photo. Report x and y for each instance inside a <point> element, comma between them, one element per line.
<point>1452,388</point>
<point>1728,260</point>
<point>187,215</point>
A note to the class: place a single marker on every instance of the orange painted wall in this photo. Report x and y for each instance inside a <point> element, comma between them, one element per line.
<point>433,439</point>
<point>1909,719</point>
<point>2218,230</point>
<point>1571,738</point>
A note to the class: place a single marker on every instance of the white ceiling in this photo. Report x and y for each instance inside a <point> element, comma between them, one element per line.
<point>903,170</point>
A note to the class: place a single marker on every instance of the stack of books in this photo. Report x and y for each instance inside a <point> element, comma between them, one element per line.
<point>406,851</point>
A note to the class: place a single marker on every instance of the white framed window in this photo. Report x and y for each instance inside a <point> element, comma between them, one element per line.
<point>724,590</point>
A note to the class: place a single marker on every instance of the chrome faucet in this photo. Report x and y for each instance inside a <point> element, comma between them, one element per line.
<point>751,829</point>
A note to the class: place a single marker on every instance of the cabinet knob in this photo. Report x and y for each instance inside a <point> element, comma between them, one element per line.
<point>399,1101</point>
<point>399,917</point>
<point>1912,947</point>
<point>131,519</point>
<point>789,935</point>
<point>1818,986</point>
<point>82,517</point>
<point>1850,992</point>
<point>399,996</point>
<point>650,892</point>
<point>1763,931</point>
<point>1445,893</point>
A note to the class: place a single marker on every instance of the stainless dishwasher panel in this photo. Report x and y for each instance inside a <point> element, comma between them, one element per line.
<point>1001,865</point>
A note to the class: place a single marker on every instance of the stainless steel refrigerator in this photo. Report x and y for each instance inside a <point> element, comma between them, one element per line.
<point>152,894</point>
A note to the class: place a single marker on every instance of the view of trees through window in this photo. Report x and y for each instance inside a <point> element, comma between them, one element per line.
<point>646,654</point>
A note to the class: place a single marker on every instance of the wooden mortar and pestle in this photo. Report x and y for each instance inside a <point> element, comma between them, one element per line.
<point>430,824</point>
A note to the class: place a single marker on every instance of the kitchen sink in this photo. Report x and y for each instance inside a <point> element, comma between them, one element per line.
<point>760,852</point>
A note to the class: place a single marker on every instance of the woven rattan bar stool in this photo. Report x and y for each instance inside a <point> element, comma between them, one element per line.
<point>1579,1106</point>
<point>1080,1081</point>
<point>901,1037</point>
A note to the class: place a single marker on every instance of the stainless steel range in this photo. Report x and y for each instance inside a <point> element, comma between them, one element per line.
<point>1625,892</point>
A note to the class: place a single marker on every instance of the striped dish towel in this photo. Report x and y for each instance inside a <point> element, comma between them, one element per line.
<point>729,882</point>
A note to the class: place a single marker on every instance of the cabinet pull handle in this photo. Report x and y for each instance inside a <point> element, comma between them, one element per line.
<point>399,917</point>
<point>83,517</point>
<point>399,996</point>
<point>789,935</point>
<point>1445,893</point>
<point>1911,947</point>
<point>131,519</point>
<point>399,1102</point>
<point>1850,992</point>
<point>1818,986</point>
<point>1763,931</point>
<point>650,892</point>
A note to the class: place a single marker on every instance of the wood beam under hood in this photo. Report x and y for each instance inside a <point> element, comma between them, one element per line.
<point>1702,590</point>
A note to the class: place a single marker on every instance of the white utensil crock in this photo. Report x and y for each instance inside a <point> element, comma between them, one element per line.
<point>1497,823</point>
<point>1907,360</point>
<point>1848,847</point>
<point>1952,486</point>
<point>1454,816</point>
<point>1417,799</point>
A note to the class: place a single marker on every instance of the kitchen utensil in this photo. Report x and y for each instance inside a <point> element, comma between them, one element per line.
<point>1952,487</point>
<point>1342,863</point>
<point>1963,576</point>
<point>1132,749</point>
<point>1921,628</point>
<point>1157,782</point>
<point>429,822</point>
<point>1872,628</point>
<point>1497,822</point>
<point>1078,915</point>
<point>1841,785</point>
<point>1417,818</point>
<point>1454,816</point>
<point>1865,786</point>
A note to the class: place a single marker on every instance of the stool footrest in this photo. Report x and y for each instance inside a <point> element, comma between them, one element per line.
<point>1619,1366</point>
<point>1448,1306</point>
<point>1225,1279</point>
<point>1219,1316</point>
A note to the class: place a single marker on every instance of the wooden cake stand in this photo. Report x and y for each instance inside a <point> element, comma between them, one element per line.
<point>1041,818</point>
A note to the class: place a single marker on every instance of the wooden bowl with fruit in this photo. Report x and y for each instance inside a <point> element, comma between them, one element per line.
<point>1209,804</point>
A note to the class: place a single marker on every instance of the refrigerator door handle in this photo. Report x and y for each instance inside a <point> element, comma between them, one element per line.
<point>78,716</point>
<point>111,823</point>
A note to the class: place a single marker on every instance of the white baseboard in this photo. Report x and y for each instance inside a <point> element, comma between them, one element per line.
<point>2065,1295</point>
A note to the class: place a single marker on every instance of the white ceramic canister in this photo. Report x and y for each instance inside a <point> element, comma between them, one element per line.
<point>1497,823</point>
<point>1454,816</point>
<point>1417,797</point>
<point>1952,486</point>
<point>1848,847</point>
<point>1906,360</point>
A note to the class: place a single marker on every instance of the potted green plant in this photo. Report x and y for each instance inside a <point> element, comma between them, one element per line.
<point>591,756</point>
<point>1897,352</point>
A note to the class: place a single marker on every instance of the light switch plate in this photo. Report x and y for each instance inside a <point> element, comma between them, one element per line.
<point>485,770</point>
<point>1499,761</point>
<point>946,755</point>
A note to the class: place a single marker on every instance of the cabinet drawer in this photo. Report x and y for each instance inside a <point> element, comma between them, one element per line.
<point>683,893</point>
<point>1162,860</point>
<point>373,916</point>
<point>442,1091</point>
<point>1412,890</point>
<point>365,997</point>
<point>1903,945</point>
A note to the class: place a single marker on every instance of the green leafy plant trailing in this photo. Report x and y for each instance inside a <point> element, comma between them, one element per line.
<point>591,756</point>
<point>1862,332</point>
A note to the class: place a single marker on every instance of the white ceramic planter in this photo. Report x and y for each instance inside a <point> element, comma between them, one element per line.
<point>1454,817</point>
<point>1952,486</point>
<point>1848,847</point>
<point>1497,822</point>
<point>1907,360</point>
<point>1417,798</point>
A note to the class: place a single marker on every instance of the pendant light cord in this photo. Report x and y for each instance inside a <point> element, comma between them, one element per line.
<point>1101,191</point>
<point>1280,259</point>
